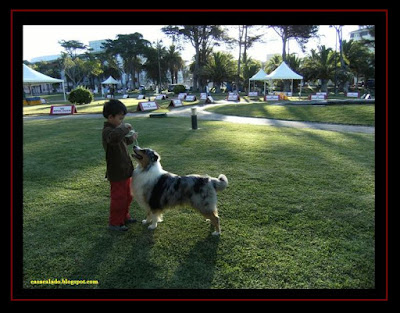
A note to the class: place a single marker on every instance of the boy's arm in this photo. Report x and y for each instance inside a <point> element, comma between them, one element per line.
<point>130,140</point>
<point>115,135</point>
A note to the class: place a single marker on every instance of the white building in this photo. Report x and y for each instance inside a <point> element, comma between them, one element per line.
<point>361,34</point>
<point>46,58</point>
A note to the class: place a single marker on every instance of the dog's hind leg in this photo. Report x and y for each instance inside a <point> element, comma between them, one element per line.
<point>213,217</point>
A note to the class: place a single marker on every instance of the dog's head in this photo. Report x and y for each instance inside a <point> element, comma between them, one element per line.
<point>145,157</point>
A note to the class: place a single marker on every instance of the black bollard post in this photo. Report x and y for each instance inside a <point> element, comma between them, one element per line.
<point>194,118</point>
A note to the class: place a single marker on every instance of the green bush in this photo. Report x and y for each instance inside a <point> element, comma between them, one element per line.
<point>80,95</point>
<point>179,88</point>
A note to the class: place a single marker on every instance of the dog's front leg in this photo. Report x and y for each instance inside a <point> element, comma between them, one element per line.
<point>155,219</point>
<point>148,218</point>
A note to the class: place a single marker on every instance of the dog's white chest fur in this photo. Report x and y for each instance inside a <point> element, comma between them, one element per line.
<point>143,182</point>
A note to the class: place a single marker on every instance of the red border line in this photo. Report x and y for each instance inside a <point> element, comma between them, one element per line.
<point>196,10</point>
<point>201,10</point>
<point>11,157</point>
<point>387,155</point>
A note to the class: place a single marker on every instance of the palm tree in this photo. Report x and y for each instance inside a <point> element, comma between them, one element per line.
<point>273,63</point>
<point>151,66</point>
<point>220,68</point>
<point>320,65</point>
<point>250,68</point>
<point>359,58</point>
<point>174,62</point>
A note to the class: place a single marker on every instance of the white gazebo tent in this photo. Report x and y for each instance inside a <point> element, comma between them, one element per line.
<point>259,76</point>
<point>32,78</point>
<point>110,81</point>
<point>283,71</point>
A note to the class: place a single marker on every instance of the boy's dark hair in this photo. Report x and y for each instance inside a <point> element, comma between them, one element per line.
<point>114,107</point>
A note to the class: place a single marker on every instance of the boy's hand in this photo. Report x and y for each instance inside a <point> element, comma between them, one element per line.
<point>134,136</point>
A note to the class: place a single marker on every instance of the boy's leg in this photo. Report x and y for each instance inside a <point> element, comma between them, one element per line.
<point>118,203</point>
<point>128,197</point>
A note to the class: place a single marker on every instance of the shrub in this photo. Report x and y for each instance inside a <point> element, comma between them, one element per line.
<point>179,88</point>
<point>80,95</point>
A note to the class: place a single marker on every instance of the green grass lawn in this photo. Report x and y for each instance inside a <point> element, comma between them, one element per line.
<point>337,114</point>
<point>298,211</point>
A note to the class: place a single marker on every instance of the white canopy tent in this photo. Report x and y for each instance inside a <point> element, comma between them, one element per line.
<point>110,81</point>
<point>283,71</point>
<point>32,78</point>
<point>259,76</point>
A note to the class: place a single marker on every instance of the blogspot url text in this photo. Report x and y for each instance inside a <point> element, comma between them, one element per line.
<point>64,281</point>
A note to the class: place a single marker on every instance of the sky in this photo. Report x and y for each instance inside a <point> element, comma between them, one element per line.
<point>42,40</point>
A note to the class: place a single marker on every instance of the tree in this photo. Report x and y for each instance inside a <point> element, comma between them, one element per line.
<point>109,64</point>
<point>273,63</point>
<point>220,68</point>
<point>71,46</point>
<point>129,47</point>
<point>250,68</point>
<point>361,59</point>
<point>320,65</point>
<point>174,62</point>
<point>300,33</point>
<point>202,38</point>
<point>244,40</point>
<point>74,69</point>
<point>342,75</point>
<point>93,66</point>
<point>72,65</point>
<point>152,66</point>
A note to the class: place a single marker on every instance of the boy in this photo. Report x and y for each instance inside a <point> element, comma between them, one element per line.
<point>119,163</point>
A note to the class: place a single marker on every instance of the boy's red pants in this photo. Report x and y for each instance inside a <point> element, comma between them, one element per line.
<point>121,198</point>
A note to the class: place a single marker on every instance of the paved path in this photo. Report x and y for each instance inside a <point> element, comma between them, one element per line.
<point>202,114</point>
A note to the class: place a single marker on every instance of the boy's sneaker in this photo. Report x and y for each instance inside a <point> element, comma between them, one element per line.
<point>117,228</point>
<point>130,221</point>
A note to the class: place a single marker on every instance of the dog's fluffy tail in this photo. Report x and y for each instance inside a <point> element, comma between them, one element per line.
<point>221,183</point>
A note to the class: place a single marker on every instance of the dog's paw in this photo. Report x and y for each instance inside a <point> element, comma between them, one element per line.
<point>216,233</point>
<point>152,226</point>
<point>144,222</point>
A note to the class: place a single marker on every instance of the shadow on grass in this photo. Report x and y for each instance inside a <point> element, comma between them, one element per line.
<point>130,261</point>
<point>197,269</point>
<point>119,261</point>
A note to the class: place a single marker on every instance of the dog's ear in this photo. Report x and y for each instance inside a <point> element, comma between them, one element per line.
<point>155,156</point>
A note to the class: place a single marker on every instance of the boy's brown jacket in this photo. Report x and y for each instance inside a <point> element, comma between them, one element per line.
<point>115,144</point>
